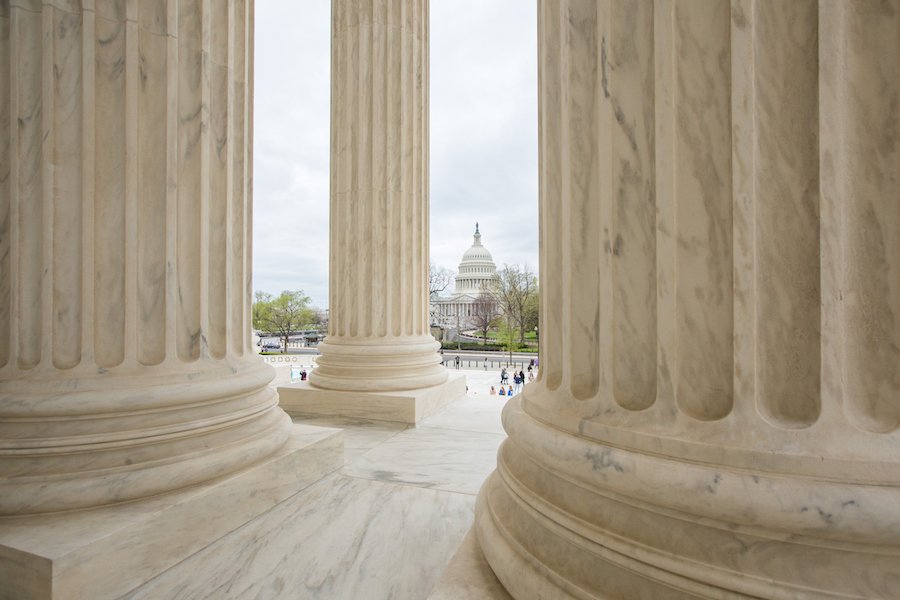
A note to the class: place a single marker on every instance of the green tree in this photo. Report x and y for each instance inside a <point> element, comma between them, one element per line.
<point>261,303</point>
<point>532,311</point>
<point>509,334</point>
<point>282,315</point>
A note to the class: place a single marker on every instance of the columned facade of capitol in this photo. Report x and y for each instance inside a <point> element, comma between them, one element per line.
<point>477,275</point>
<point>717,410</point>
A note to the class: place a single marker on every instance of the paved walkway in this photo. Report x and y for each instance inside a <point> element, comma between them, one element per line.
<point>385,526</point>
<point>480,381</point>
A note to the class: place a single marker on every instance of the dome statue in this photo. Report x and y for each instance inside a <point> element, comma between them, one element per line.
<point>477,271</point>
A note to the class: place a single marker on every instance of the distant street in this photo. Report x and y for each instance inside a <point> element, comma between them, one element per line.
<point>468,358</point>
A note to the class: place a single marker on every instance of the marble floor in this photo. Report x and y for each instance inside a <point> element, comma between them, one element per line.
<point>385,526</point>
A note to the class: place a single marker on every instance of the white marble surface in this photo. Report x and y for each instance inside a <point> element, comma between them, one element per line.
<point>378,331</point>
<point>480,413</point>
<point>125,351</point>
<point>469,576</point>
<point>282,375</point>
<point>105,552</point>
<point>718,411</point>
<point>360,435</point>
<point>356,537</point>
<point>401,406</point>
<point>442,459</point>
<point>348,539</point>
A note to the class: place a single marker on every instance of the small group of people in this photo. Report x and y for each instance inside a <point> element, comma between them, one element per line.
<point>302,373</point>
<point>518,381</point>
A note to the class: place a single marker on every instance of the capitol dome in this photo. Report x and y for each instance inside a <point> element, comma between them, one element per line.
<point>477,271</point>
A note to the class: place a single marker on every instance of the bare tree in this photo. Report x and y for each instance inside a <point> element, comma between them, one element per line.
<point>485,309</point>
<point>515,289</point>
<point>439,279</point>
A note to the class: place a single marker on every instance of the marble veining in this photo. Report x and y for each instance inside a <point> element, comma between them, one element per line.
<point>479,413</point>
<point>469,576</point>
<point>440,459</point>
<point>118,363</point>
<point>378,338</point>
<point>348,538</point>
<point>742,155</point>
<point>360,435</point>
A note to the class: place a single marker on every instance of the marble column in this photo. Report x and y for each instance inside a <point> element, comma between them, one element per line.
<point>126,365</point>
<point>718,404</point>
<point>378,331</point>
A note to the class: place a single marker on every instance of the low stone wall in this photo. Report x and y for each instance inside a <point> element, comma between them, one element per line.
<point>292,359</point>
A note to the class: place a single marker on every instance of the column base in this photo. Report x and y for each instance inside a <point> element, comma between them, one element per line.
<point>566,517</point>
<point>410,406</point>
<point>106,552</point>
<point>469,575</point>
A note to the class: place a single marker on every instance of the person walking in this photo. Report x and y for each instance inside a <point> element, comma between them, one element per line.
<point>457,362</point>
<point>485,363</point>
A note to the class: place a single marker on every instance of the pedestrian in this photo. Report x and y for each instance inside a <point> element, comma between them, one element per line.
<point>530,376</point>
<point>531,364</point>
<point>504,377</point>
<point>303,375</point>
<point>522,376</point>
<point>457,361</point>
<point>485,363</point>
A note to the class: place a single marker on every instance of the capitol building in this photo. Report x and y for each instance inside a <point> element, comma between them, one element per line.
<point>477,274</point>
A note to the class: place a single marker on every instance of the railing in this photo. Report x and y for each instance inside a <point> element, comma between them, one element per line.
<point>492,364</point>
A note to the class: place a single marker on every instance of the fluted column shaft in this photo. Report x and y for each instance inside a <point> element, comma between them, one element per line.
<point>718,405</point>
<point>379,336</point>
<point>126,366</point>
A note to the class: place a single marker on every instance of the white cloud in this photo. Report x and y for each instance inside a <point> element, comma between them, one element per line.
<point>483,137</point>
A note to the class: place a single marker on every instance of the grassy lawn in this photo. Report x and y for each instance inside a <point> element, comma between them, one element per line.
<point>530,336</point>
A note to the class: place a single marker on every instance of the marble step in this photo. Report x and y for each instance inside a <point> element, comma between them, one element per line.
<point>346,538</point>
<point>469,576</point>
<point>103,553</point>
<point>410,406</point>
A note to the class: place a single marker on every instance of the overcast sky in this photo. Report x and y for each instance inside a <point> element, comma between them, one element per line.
<point>483,137</point>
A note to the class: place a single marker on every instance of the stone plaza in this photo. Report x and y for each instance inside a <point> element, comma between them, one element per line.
<point>717,408</point>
